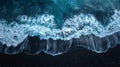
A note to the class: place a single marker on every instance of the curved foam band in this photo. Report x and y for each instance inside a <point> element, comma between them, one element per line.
<point>82,29</point>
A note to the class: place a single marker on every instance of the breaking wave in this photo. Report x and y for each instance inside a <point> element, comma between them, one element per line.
<point>41,32</point>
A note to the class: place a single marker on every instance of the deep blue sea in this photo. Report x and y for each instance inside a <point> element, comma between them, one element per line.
<point>60,33</point>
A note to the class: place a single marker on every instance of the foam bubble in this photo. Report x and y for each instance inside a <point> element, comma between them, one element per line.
<point>44,26</point>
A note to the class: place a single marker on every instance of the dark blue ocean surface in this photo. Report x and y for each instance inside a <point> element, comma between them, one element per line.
<point>55,26</point>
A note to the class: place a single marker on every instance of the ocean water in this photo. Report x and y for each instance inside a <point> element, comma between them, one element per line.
<point>55,26</point>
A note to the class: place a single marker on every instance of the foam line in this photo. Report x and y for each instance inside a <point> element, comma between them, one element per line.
<point>44,26</point>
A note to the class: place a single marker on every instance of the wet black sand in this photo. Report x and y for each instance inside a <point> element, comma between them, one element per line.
<point>73,58</point>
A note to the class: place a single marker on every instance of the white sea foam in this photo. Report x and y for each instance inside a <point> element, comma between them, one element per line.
<point>44,26</point>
